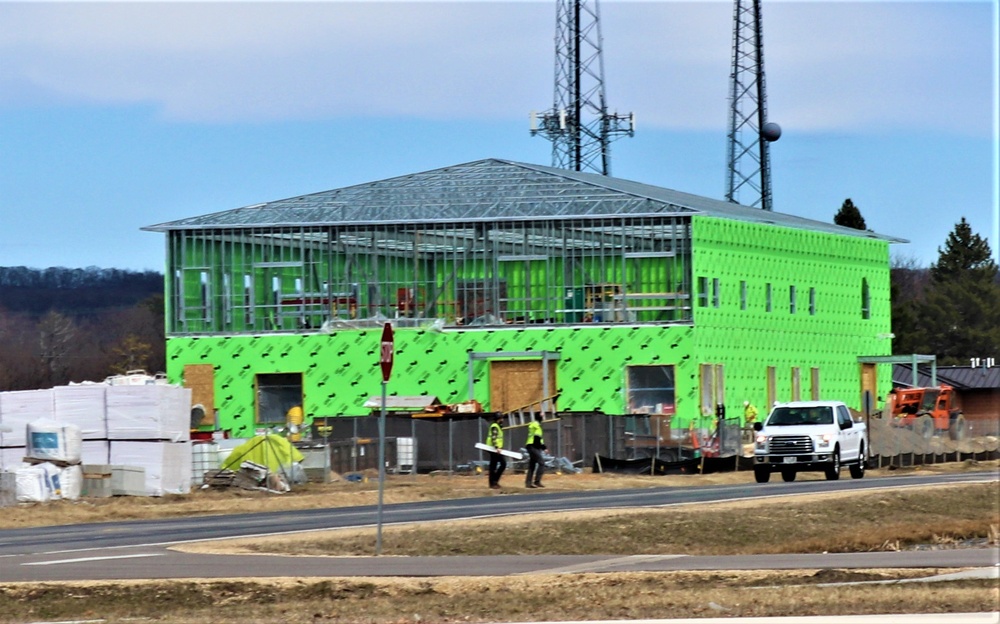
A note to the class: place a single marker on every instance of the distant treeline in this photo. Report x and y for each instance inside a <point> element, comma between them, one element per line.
<point>59,325</point>
<point>74,292</point>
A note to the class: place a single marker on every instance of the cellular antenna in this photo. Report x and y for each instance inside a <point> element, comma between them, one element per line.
<point>750,133</point>
<point>579,125</point>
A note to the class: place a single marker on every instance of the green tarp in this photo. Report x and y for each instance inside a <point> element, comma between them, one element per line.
<point>273,451</point>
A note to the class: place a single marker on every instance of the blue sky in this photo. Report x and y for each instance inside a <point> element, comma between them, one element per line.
<point>114,116</point>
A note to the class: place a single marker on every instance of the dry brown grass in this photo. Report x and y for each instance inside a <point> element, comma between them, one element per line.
<point>884,519</point>
<point>521,598</point>
<point>942,516</point>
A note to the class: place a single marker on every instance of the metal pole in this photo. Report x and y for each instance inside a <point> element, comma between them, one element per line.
<point>381,472</point>
<point>354,446</point>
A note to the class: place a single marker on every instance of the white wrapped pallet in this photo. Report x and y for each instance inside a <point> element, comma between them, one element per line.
<point>20,407</point>
<point>149,412</point>
<point>95,452</point>
<point>37,484</point>
<point>84,406</point>
<point>11,457</point>
<point>71,482</point>
<point>167,464</point>
<point>52,441</point>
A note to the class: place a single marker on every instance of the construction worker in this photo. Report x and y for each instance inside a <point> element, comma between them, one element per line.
<point>749,413</point>
<point>535,446</point>
<point>498,463</point>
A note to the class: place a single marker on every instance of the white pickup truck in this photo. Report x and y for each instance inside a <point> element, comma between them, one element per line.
<point>809,436</point>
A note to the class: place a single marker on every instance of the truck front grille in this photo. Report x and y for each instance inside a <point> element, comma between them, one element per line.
<point>791,445</point>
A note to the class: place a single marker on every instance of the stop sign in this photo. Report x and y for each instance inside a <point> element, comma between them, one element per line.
<point>385,360</point>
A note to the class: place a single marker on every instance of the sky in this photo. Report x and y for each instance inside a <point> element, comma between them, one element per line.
<point>120,115</point>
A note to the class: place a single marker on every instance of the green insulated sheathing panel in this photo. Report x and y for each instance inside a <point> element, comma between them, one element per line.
<point>827,330</point>
<point>341,369</point>
<point>839,282</point>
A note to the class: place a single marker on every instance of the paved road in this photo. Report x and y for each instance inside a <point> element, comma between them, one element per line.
<point>139,549</point>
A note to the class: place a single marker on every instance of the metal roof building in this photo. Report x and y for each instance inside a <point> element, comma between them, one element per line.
<point>652,301</point>
<point>490,189</point>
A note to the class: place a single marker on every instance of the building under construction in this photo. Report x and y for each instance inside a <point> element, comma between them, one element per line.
<point>509,283</point>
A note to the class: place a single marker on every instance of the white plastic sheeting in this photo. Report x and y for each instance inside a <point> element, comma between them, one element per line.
<point>149,412</point>
<point>11,458</point>
<point>39,483</point>
<point>95,452</point>
<point>167,464</point>
<point>82,405</point>
<point>21,407</point>
<point>101,411</point>
<point>71,482</point>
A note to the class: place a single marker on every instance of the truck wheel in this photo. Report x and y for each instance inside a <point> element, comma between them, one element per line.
<point>761,475</point>
<point>788,475</point>
<point>858,469</point>
<point>958,428</point>
<point>833,472</point>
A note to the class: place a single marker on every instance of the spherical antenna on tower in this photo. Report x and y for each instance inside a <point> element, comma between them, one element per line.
<point>771,132</point>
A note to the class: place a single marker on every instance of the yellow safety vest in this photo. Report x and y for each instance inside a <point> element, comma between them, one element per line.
<point>495,436</point>
<point>534,433</point>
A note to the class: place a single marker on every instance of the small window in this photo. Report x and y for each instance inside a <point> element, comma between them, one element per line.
<point>768,299</point>
<point>276,394</point>
<point>651,389</point>
<point>743,294</point>
<point>791,299</point>
<point>812,302</point>
<point>702,292</point>
<point>866,303</point>
<point>716,295</point>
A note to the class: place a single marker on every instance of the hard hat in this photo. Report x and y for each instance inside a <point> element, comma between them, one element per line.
<point>745,403</point>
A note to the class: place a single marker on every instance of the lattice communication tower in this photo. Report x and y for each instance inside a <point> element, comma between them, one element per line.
<point>579,125</point>
<point>750,133</point>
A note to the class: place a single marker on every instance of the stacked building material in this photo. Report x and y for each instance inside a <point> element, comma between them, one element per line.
<point>146,426</point>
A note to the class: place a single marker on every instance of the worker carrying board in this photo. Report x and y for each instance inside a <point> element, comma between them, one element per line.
<point>535,445</point>
<point>494,445</point>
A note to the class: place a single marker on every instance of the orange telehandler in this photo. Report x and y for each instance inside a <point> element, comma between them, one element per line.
<point>928,411</point>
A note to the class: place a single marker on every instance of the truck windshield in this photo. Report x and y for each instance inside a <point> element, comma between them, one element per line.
<point>782,416</point>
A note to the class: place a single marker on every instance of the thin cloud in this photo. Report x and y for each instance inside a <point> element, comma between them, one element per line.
<point>831,66</point>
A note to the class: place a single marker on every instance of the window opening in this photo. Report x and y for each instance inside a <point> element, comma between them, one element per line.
<point>866,309</point>
<point>651,390</point>
<point>276,394</point>
<point>702,292</point>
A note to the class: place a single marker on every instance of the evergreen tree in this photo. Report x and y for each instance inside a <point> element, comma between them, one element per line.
<point>850,216</point>
<point>960,317</point>
<point>965,252</point>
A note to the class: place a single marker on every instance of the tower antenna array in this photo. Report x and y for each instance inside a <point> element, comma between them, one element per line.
<point>579,125</point>
<point>750,133</point>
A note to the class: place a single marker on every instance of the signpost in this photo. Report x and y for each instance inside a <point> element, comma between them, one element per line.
<point>386,350</point>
